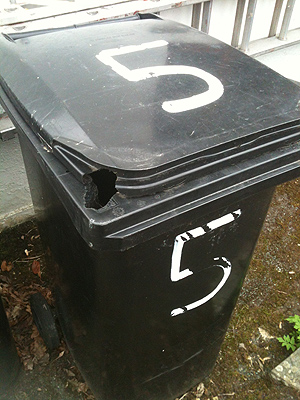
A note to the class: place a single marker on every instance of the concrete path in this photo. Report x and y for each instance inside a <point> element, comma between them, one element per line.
<point>15,205</point>
<point>288,371</point>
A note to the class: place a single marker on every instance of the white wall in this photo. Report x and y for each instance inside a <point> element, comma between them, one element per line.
<point>182,15</point>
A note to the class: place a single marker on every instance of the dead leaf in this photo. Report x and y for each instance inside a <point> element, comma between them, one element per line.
<point>44,360</point>
<point>9,266</point>
<point>260,363</point>
<point>28,309</point>
<point>28,364</point>
<point>3,266</point>
<point>38,349</point>
<point>242,346</point>
<point>36,268</point>
<point>250,360</point>
<point>69,373</point>
<point>265,359</point>
<point>35,332</point>
<point>61,354</point>
<point>82,387</point>
<point>16,311</point>
<point>265,335</point>
<point>200,390</point>
<point>6,266</point>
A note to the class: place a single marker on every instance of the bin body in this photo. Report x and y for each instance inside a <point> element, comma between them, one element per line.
<point>152,152</point>
<point>118,309</point>
<point>9,360</point>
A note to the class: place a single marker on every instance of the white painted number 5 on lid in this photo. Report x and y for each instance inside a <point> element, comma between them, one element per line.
<point>215,87</point>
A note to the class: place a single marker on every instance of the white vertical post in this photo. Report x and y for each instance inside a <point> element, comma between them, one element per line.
<point>238,23</point>
<point>286,19</point>
<point>275,19</point>
<point>248,24</point>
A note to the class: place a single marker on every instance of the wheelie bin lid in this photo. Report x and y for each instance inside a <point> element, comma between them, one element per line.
<point>151,100</point>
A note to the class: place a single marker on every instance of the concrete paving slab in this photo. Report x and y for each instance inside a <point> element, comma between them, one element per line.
<point>288,371</point>
<point>7,129</point>
<point>15,205</point>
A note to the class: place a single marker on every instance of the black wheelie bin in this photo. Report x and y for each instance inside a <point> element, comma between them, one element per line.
<point>152,152</point>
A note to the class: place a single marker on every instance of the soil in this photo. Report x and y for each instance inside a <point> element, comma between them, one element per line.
<point>44,375</point>
<point>270,294</point>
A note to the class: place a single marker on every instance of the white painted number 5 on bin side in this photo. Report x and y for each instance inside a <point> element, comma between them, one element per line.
<point>219,262</point>
<point>215,88</point>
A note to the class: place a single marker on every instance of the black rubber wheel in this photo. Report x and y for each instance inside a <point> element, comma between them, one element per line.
<point>43,318</point>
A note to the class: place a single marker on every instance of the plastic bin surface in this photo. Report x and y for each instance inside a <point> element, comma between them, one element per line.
<point>151,151</point>
<point>146,106</point>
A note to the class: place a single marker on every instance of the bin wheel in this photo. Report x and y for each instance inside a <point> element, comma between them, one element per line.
<point>43,318</point>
